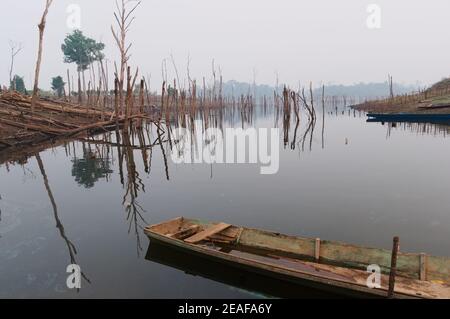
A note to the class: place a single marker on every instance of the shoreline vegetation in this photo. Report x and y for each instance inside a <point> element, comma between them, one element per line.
<point>435,100</point>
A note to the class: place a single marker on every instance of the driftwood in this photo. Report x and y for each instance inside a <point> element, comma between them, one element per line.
<point>16,99</point>
<point>20,125</point>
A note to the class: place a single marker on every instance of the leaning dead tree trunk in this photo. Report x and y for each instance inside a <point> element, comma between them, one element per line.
<point>41,27</point>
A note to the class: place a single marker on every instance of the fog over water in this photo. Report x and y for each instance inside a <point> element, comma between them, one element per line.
<point>322,40</point>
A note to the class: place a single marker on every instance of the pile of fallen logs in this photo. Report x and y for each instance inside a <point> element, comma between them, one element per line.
<point>20,126</point>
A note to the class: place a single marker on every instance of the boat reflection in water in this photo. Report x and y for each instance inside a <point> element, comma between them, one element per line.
<point>421,124</point>
<point>229,275</point>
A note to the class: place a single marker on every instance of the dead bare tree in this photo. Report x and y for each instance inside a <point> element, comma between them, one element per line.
<point>41,27</point>
<point>391,86</point>
<point>213,94</point>
<point>15,50</point>
<point>124,20</point>
<point>323,116</point>
<point>176,70</point>
<point>68,83</point>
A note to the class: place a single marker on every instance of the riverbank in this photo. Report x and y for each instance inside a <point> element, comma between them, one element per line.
<point>435,100</point>
<point>438,105</point>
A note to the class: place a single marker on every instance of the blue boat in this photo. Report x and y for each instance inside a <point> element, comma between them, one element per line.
<point>410,118</point>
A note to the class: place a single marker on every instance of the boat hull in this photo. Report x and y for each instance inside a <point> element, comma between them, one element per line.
<point>254,283</point>
<point>334,267</point>
<point>409,118</point>
<point>335,288</point>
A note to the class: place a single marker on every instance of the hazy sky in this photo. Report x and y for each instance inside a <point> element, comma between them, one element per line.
<point>318,40</point>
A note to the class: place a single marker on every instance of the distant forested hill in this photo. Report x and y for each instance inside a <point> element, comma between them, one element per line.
<point>366,90</point>
<point>369,90</point>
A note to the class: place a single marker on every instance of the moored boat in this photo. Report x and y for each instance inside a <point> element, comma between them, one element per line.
<point>409,118</point>
<point>310,262</point>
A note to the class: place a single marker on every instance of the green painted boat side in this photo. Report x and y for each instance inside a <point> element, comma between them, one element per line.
<point>331,253</point>
<point>342,254</point>
<point>268,269</point>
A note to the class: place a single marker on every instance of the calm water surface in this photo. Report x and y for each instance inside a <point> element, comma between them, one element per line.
<point>363,183</point>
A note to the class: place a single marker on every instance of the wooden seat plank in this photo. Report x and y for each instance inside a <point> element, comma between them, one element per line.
<point>210,231</point>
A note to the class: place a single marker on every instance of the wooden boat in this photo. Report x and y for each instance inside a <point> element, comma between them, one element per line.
<point>324,265</point>
<point>409,118</point>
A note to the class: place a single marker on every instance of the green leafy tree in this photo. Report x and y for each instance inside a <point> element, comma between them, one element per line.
<point>58,85</point>
<point>89,169</point>
<point>79,49</point>
<point>83,51</point>
<point>18,84</point>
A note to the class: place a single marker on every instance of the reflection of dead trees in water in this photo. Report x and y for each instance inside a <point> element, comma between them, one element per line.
<point>247,107</point>
<point>276,104</point>
<point>163,152</point>
<point>295,101</point>
<point>423,129</point>
<point>144,151</point>
<point>242,114</point>
<point>94,164</point>
<point>310,131</point>
<point>138,139</point>
<point>133,185</point>
<point>286,115</point>
<point>70,246</point>
<point>131,143</point>
<point>338,105</point>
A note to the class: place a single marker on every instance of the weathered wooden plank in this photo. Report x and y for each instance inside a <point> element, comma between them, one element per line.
<point>210,231</point>
<point>169,227</point>
<point>276,242</point>
<point>222,237</point>
<point>230,232</point>
<point>227,236</point>
<point>185,233</point>
<point>221,241</point>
